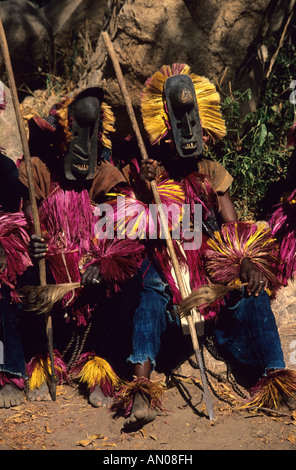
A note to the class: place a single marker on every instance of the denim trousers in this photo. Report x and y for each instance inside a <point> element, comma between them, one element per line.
<point>136,324</point>
<point>13,361</point>
<point>248,337</point>
<point>142,327</point>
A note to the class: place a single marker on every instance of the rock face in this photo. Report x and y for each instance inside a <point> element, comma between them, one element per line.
<point>68,17</point>
<point>38,36</point>
<point>29,38</point>
<point>223,40</point>
<point>230,42</point>
<point>226,40</point>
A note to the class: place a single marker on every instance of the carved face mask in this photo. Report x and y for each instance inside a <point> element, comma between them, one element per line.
<point>183,115</point>
<point>81,157</point>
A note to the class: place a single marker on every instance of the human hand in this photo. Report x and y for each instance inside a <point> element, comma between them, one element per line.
<point>37,247</point>
<point>91,275</point>
<point>255,279</point>
<point>148,170</point>
<point>146,175</point>
<point>3,260</point>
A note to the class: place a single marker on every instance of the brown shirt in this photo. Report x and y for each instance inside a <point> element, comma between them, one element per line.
<point>217,175</point>
<point>106,177</point>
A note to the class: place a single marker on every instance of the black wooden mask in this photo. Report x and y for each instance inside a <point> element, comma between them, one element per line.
<point>81,157</point>
<point>183,114</point>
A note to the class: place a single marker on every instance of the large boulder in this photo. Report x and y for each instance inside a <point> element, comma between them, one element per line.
<point>227,41</point>
<point>29,38</point>
<point>71,18</point>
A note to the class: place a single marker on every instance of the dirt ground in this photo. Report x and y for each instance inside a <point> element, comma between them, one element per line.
<point>70,423</point>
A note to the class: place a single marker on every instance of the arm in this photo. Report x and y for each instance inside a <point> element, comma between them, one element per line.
<point>227,210</point>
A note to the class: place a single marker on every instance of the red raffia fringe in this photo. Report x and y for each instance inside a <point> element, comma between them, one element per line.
<point>239,240</point>
<point>283,226</point>
<point>15,241</point>
<point>39,370</point>
<point>7,379</point>
<point>118,260</point>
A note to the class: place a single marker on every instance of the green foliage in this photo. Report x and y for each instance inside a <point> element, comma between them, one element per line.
<point>254,150</point>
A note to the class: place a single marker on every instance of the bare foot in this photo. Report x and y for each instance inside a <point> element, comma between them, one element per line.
<point>98,399</point>
<point>39,394</point>
<point>289,405</point>
<point>10,395</point>
<point>141,413</point>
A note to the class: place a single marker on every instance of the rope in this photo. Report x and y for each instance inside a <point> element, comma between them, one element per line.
<point>211,348</point>
<point>79,339</point>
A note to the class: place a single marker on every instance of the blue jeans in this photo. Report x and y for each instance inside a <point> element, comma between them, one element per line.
<point>10,335</point>
<point>151,317</point>
<point>136,324</point>
<point>247,335</point>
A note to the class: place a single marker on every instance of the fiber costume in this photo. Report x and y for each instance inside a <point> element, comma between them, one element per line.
<point>184,108</point>
<point>14,242</point>
<point>14,261</point>
<point>71,179</point>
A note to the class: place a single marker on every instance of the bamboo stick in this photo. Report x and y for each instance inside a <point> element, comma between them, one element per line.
<point>31,185</point>
<point>175,263</point>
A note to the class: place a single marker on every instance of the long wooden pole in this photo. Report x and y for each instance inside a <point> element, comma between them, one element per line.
<point>170,246</point>
<point>33,201</point>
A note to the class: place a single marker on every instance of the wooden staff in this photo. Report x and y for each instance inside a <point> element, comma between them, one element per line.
<point>176,267</point>
<point>33,201</point>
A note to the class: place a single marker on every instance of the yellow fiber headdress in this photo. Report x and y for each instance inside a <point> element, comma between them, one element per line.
<point>106,117</point>
<point>59,121</point>
<point>153,106</point>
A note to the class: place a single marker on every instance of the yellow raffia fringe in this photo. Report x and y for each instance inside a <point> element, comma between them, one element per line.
<point>64,121</point>
<point>280,387</point>
<point>96,371</point>
<point>170,192</point>
<point>154,114</point>
<point>107,124</point>
<point>108,121</point>
<point>235,248</point>
<point>41,373</point>
<point>152,390</point>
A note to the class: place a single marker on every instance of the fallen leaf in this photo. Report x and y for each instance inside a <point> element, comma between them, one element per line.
<point>143,433</point>
<point>111,444</point>
<point>17,408</point>
<point>84,442</point>
<point>96,436</point>
<point>48,430</point>
<point>90,440</point>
